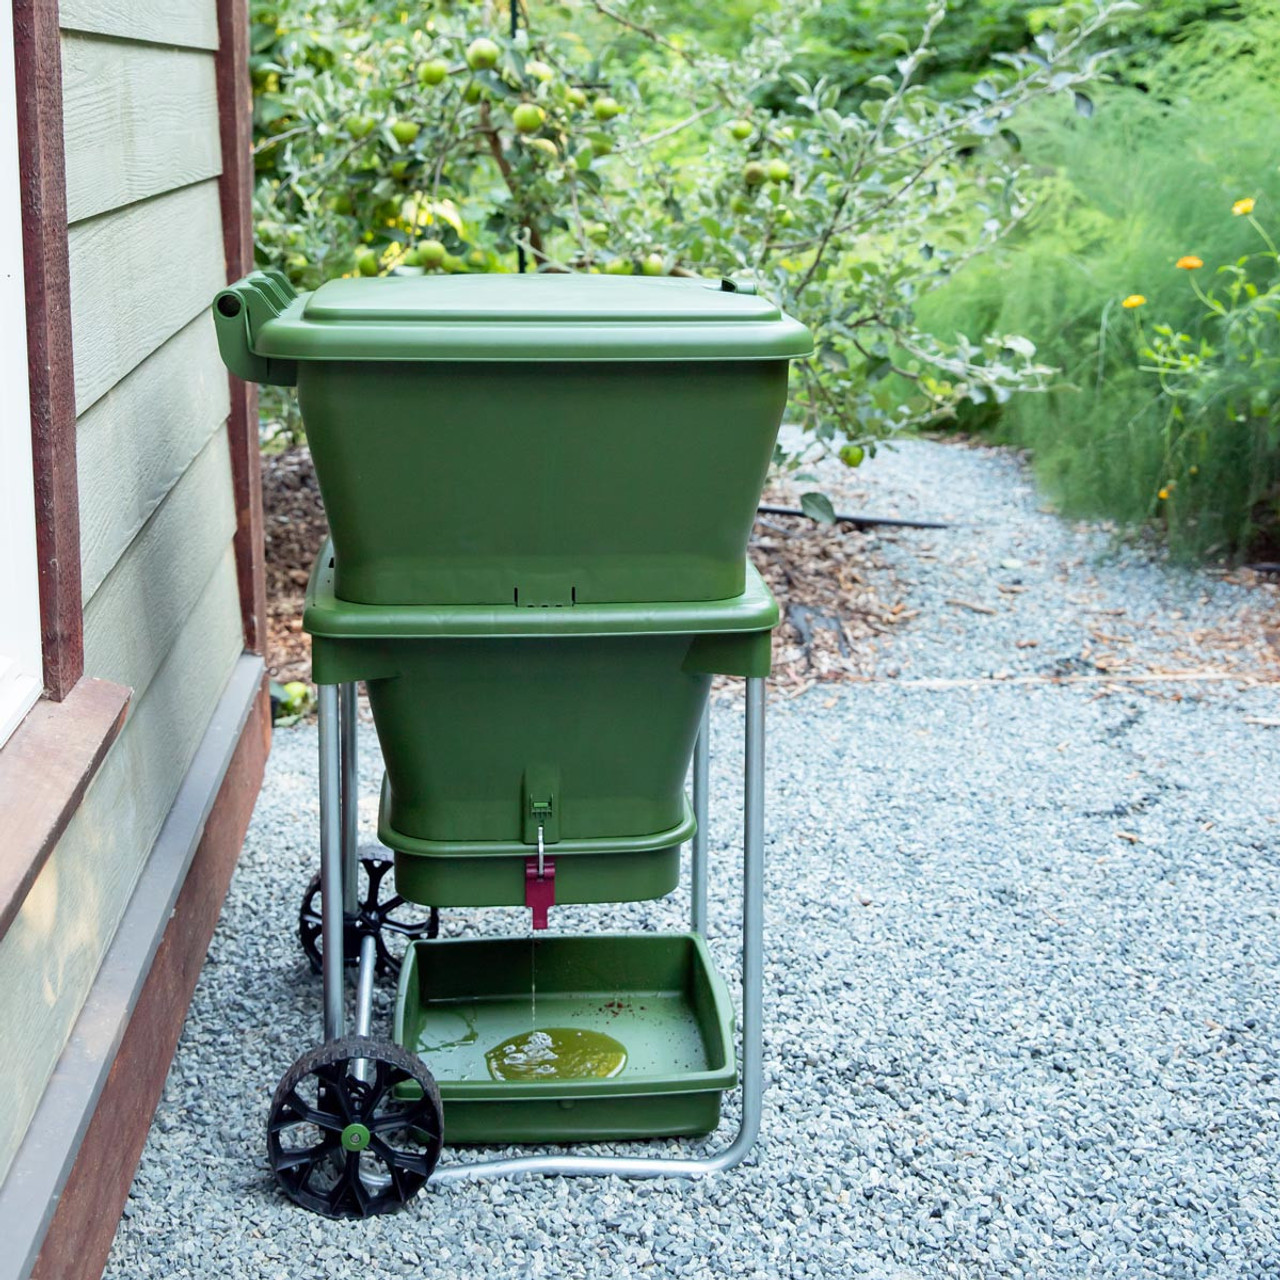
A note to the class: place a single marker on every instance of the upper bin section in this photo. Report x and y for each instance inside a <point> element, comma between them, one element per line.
<point>499,317</point>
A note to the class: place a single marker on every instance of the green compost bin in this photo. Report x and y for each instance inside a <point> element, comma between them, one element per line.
<point>656,996</point>
<point>545,439</point>
<point>497,719</point>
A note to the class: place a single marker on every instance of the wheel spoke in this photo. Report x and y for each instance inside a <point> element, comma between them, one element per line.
<point>415,1162</point>
<point>384,1080</point>
<point>412,929</point>
<point>288,1160</point>
<point>352,1185</point>
<point>376,869</point>
<point>334,1081</point>
<point>303,1113</point>
<point>414,1116</point>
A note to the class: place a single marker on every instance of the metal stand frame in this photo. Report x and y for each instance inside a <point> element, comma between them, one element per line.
<point>338,871</point>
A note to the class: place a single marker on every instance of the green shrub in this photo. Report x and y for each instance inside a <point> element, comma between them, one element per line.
<point>1121,198</point>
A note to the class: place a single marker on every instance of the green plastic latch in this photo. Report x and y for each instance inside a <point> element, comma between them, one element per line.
<point>541,804</point>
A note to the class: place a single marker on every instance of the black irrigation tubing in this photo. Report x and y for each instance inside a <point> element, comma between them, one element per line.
<point>1264,567</point>
<point>863,521</point>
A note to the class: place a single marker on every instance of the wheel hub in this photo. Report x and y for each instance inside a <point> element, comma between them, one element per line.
<point>355,1137</point>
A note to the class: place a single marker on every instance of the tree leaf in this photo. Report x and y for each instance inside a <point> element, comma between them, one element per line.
<point>817,506</point>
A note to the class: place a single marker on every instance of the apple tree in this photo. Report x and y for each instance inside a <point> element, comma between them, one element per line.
<point>426,136</point>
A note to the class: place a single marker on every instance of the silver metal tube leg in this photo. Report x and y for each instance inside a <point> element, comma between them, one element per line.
<point>752,1013</point>
<point>753,917</point>
<point>348,703</point>
<point>331,923</point>
<point>701,783</point>
<point>364,997</point>
<point>364,984</point>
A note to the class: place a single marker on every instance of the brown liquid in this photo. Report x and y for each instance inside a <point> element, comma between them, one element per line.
<point>556,1053</point>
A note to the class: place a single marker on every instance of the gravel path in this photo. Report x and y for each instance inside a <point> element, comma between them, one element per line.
<point>1023,973</point>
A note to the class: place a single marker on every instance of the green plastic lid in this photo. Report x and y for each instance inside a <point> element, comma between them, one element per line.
<point>514,317</point>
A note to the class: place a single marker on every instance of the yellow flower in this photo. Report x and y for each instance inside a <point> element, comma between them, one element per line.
<point>1134,300</point>
<point>1243,207</point>
<point>1163,494</point>
<point>1189,263</point>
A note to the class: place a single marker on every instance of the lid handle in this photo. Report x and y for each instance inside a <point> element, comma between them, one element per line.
<point>239,311</point>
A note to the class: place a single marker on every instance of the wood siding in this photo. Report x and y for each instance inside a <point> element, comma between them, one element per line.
<point>138,121</point>
<point>158,582</point>
<point>187,24</point>
<point>134,444</point>
<point>52,951</point>
<point>138,275</point>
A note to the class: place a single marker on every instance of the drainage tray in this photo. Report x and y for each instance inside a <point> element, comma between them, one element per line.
<point>569,1039</point>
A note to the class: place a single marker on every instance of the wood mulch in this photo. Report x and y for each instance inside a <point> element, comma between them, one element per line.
<point>835,591</point>
<point>295,527</point>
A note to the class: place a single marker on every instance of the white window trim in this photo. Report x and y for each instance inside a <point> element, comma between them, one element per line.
<point>21,679</point>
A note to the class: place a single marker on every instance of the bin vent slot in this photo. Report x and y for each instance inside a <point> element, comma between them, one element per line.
<point>548,592</point>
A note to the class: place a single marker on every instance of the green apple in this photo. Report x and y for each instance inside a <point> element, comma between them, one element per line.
<point>576,98</point>
<point>482,55</point>
<point>545,146</point>
<point>606,108</point>
<point>778,170</point>
<point>367,263</point>
<point>360,126</point>
<point>537,70</point>
<point>528,117</point>
<point>617,267</point>
<point>430,254</point>
<point>654,265</point>
<point>405,131</point>
<point>753,173</point>
<point>434,71</point>
<point>741,129</point>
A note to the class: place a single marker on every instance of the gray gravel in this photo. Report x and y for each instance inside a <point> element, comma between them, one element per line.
<point>1023,976</point>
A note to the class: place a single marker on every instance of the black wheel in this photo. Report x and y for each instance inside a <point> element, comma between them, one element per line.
<point>351,1148</point>
<point>393,922</point>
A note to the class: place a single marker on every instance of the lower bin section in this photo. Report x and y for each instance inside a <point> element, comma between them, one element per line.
<point>475,732</point>
<point>475,873</point>
<point>647,1009</point>
<point>496,720</point>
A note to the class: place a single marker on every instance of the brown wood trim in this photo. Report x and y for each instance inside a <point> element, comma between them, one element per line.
<point>84,1224</point>
<point>45,768</point>
<point>42,175</point>
<point>235,188</point>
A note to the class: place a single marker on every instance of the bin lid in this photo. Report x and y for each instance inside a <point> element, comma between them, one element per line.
<point>531,317</point>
